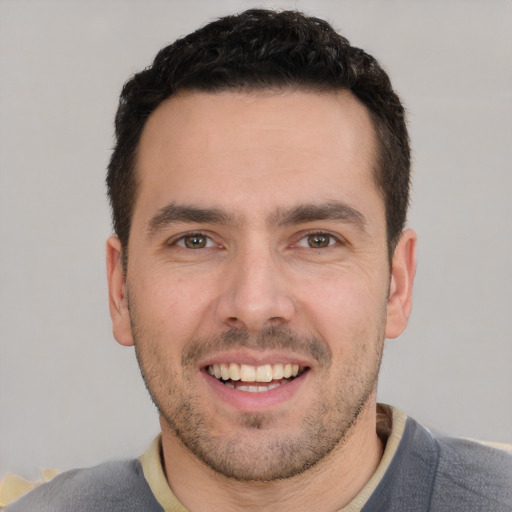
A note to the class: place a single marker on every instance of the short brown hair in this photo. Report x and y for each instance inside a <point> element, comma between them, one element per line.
<point>261,49</point>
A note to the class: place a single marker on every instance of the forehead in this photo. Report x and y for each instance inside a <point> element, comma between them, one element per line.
<point>256,151</point>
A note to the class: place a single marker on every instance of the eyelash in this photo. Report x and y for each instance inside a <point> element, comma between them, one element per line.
<point>333,240</point>
<point>182,240</point>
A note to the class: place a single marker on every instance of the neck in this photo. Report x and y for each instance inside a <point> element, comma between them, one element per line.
<point>329,485</point>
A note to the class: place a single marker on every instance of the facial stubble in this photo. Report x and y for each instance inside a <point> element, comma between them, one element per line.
<point>254,449</point>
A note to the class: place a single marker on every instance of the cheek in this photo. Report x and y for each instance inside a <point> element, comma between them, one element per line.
<point>172,306</point>
<point>345,309</point>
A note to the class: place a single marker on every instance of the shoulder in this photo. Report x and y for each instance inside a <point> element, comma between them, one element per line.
<point>486,457</point>
<point>112,486</point>
<point>443,474</point>
<point>464,474</point>
<point>473,472</point>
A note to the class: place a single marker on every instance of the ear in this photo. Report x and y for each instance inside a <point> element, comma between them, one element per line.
<point>403,268</point>
<point>117,299</point>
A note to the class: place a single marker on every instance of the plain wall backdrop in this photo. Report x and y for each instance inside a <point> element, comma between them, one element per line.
<point>69,395</point>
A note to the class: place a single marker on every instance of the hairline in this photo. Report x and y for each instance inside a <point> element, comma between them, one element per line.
<point>255,89</point>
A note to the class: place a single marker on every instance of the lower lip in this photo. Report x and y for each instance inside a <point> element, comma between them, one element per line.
<point>256,402</point>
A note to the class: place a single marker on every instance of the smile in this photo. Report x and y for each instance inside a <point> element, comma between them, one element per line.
<point>261,378</point>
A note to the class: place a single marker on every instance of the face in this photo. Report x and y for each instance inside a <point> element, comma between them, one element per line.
<point>258,290</point>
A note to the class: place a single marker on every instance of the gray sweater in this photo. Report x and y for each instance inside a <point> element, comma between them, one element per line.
<point>427,473</point>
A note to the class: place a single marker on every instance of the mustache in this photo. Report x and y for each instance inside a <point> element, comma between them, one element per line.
<point>271,338</point>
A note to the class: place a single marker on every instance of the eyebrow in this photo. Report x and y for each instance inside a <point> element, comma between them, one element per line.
<point>174,214</point>
<point>333,210</point>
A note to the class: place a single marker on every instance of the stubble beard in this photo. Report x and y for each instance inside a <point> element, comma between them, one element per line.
<point>258,452</point>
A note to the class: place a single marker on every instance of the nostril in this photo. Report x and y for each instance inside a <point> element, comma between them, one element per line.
<point>277,320</point>
<point>254,311</point>
<point>234,321</point>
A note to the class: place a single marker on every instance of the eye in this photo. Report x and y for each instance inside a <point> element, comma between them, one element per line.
<point>194,241</point>
<point>318,241</point>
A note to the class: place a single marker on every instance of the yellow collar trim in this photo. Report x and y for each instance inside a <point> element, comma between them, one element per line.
<point>397,430</point>
<point>155,476</point>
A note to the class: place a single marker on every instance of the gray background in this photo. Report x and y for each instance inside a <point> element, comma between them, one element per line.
<point>69,395</point>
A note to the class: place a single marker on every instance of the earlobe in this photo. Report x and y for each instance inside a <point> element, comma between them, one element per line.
<point>118,303</point>
<point>403,269</point>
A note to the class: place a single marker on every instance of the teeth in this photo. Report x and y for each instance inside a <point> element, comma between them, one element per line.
<point>254,389</point>
<point>234,371</point>
<point>264,373</point>
<point>277,371</point>
<point>224,371</point>
<point>248,373</point>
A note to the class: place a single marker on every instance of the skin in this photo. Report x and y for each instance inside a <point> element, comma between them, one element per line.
<point>259,236</point>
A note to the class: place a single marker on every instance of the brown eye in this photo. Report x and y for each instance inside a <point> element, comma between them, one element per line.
<point>196,241</point>
<point>319,240</point>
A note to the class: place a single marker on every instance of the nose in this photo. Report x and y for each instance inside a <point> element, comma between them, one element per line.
<point>254,293</point>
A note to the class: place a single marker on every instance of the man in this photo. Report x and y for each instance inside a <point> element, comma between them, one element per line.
<point>259,188</point>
